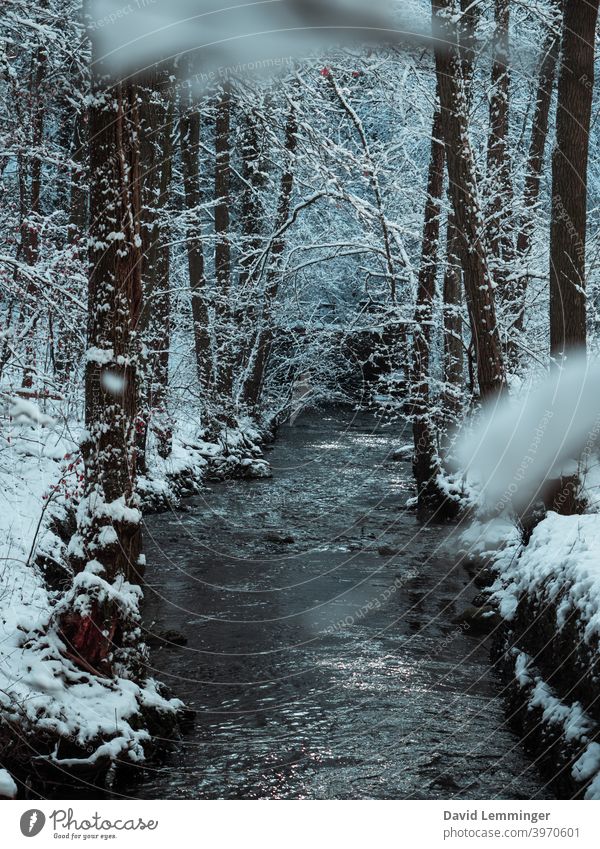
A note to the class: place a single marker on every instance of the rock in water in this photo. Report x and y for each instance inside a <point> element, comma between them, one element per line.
<point>481,619</point>
<point>281,538</point>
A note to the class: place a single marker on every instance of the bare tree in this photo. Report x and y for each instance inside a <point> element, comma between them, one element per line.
<point>535,161</point>
<point>425,459</point>
<point>465,201</point>
<point>453,332</point>
<point>156,149</point>
<point>498,160</point>
<point>371,171</point>
<point>223,143</point>
<point>189,137</point>
<point>255,373</point>
<point>569,201</point>
<point>569,178</point>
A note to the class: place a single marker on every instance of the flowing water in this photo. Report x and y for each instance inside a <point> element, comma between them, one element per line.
<point>322,658</point>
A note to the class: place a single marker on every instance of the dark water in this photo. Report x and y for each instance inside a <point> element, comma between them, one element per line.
<point>320,668</point>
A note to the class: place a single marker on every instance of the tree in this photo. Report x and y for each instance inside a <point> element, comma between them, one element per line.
<point>30,189</point>
<point>498,160</point>
<point>466,205</point>
<point>224,360</point>
<point>189,139</point>
<point>535,162</point>
<point>255,373</point>
<point>96,625</point>
<point>426,460</point>
<point>156,150</point>
<point>453,391</point>
<point>569,201</point>
<point>569,178</point>
<point>371,171</point>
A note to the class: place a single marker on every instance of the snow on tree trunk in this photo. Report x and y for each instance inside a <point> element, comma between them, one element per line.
<point>156,128</point>
<point>535,164</point>
<point>102,608</point>
<point>465,201</point>
<point>498,162</point>
<point>223,247</point>
<point>453,342</point>
<point>425,459</point>
<point>189,138</point>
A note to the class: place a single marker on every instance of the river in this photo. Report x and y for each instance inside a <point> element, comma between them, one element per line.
<point>322,659</point>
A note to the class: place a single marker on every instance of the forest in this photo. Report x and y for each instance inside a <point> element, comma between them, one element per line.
<point>275,329</point>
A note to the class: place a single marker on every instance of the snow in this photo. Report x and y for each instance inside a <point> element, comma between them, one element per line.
<point>8,788</point>
<point>115,511</point>
<point>100,356</point>
<point>588,764</point>
<point>561,563</point>
<point>41,689</point>
<point>193,459</point>
<point>487,536</point>
<point>107,536</point>
<point>26,412</point>
<point>574,723</point>
<point>558,568</point>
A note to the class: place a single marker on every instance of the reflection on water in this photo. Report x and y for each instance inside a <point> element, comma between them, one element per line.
<point>321,664</point>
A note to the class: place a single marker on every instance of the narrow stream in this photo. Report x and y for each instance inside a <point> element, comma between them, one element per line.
<point>321,664</point>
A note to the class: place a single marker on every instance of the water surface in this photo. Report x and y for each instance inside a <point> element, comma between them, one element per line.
<point>321,656</point>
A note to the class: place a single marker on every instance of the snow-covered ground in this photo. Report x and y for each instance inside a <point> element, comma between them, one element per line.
<point>548,593</point>
<point>561,564</point>
<point>53,708</point>
<point>8,788</point>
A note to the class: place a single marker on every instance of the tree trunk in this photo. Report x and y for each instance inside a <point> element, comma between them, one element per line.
<point>252,218</point>
<point>160,327</point>
<point>78,200</point>
<point>498,161</point>
<point>30,213</point>
<point>535,163</point>
<point>96,627</point>
<point>223,248</point>
<point>189,137</point>
<point>568,226</point>
<point>465,202</point>
<point>30,206</point>
<point>453,343</point>
<point>255,374</point>
<point>569,179</point>
<point>453,394</point>
<point>425,460</point>
<point>156,124</point>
